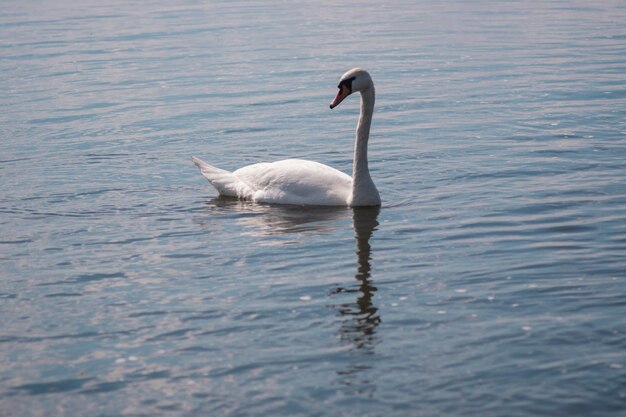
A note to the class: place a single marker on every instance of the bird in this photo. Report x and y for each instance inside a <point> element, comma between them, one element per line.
<point>308,183</point>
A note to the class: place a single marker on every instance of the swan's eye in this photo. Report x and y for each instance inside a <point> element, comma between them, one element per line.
<point>347,83</point>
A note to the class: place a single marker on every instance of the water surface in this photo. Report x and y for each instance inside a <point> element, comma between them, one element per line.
<point>490,283</point>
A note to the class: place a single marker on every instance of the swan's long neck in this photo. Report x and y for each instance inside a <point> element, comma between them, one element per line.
<point>363,190</point>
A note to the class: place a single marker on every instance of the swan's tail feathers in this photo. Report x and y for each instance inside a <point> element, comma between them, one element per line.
<point>225,182</point>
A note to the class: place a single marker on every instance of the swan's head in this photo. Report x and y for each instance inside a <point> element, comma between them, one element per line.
<point>356,79</point>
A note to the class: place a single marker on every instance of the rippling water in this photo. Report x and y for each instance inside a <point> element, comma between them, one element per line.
<point>490,283</point>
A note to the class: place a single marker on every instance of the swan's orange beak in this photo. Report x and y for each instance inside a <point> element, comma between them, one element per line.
<point>343,93</point>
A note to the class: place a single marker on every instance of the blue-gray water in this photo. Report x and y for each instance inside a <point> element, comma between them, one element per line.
<point>491,282</point>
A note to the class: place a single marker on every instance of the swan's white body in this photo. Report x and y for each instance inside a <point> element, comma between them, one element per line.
<point>291,181</point>
<point>301,182</point>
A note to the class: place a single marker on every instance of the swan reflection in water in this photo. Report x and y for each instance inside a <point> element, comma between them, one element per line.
<point>364,312</point>
<point>360,316</point>
<point>263,220</point>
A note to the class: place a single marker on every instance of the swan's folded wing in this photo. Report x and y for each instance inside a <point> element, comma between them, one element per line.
<point>225,182</point>
<point>296,181</point>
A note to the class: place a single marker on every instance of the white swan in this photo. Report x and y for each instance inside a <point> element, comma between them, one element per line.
<point>301,182</point>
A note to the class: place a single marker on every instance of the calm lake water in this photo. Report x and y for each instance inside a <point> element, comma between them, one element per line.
<point>490,283</point>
